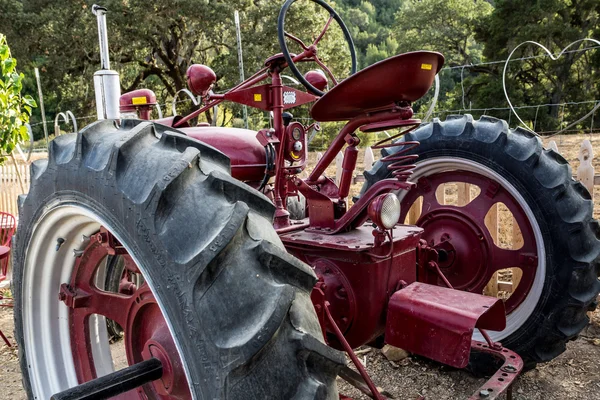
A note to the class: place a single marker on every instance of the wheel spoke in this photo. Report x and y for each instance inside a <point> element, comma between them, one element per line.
<point>318,39</point>
<point>478,208</point>
<point>81,345</point>
<point>327,70</point>
<point>503,258</point>
<point>130,265</point>
<point>297,40</point>
<point>114,306</point>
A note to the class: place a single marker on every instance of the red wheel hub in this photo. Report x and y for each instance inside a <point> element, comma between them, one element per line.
<point>146,333</point>
<point>468,256</point>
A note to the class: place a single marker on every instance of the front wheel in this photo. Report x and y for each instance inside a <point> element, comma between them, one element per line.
<point>475,176</point>
<point>221,304</point>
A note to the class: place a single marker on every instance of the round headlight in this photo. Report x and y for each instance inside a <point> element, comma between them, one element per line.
<point>384,211</point>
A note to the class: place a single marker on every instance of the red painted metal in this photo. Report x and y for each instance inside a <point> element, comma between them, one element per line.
<point>403,78</point>
<point>363,272</point>
<point>393,113</point>
<point>200,79</point>
<point>257,96</point>
<point>282,216</point>
<point>501,382</point>
<point>356,215</point>
<point>153,339</point>
<point>375,208</point>
<point>445,316</point>
<point>5,339</point>
<point>4,253</point>
<point>348,166</point>
<point>247,154</point>
<point>368,281</point>
<point>259,76</point>
<point>339,291</point>
<point>355,360</point>
<point>141,101</point>
<point>295,156</point>
<point>7,230</point>
<point>146,331</point>
<point>317,79</point>
<point>261,97</point>
<point>468,255</point>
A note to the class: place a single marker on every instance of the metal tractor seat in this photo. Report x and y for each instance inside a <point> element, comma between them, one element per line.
<point>403,78</point>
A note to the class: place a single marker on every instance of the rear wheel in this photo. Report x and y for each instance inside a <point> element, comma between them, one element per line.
<point>552,255</point>
<point>221,304</point>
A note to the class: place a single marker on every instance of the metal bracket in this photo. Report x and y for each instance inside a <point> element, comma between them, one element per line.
<point>501,382</point>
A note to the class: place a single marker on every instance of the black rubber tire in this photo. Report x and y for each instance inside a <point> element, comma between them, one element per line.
<point>562,207</point>
<point>238,304</point>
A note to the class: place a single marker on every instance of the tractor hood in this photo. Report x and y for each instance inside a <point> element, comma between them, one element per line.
<point>248,159</point>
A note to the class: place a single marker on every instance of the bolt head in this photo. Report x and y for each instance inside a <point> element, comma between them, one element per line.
<point>484,393</point>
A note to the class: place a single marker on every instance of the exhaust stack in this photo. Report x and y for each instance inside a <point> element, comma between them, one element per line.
<point>106,81</point>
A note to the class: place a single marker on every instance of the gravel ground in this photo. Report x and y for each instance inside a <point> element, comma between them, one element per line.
<point>573,375</point>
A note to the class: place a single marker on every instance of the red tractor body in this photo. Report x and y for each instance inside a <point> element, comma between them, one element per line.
<point>246,153</point>
<point>198,275</point>
<point>361,267</point>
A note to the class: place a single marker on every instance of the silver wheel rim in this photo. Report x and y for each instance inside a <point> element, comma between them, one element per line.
<point>521,314</point>
<point>46,330</point>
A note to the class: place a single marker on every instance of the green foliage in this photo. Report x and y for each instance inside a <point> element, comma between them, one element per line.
<point>447,26</point>
<point>153,43</point>
<point>15,109</point>
<point>539,80</point>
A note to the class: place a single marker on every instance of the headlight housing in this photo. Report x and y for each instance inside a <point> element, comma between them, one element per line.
<point>384,211</point>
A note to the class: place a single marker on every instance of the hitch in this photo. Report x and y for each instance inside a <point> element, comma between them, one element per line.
<point>114,383</point>
<point>501,382</point>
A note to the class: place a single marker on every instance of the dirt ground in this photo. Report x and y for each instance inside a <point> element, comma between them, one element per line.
<point>573,375</point>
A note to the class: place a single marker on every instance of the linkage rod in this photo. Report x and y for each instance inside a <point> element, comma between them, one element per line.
<point>114,383</point>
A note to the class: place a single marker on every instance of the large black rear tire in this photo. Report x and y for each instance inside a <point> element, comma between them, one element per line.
<point>237,305</point>
<point>562,209</point>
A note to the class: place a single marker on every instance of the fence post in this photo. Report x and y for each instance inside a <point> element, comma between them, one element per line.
<point>464,193</point>
<point>369,158</point>
<point>585,171</point>
<point>440,194</point>
<point>517,243</point>
<point>415,211</point>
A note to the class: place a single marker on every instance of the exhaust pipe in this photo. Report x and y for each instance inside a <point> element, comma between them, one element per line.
<point>106,81</point>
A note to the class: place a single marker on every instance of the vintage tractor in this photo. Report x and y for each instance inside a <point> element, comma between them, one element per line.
<point>220,294</point>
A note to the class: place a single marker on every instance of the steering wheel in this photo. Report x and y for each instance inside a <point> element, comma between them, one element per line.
<point>312,49</point>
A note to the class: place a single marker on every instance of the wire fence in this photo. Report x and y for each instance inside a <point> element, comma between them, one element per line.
<point>534,114</point>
